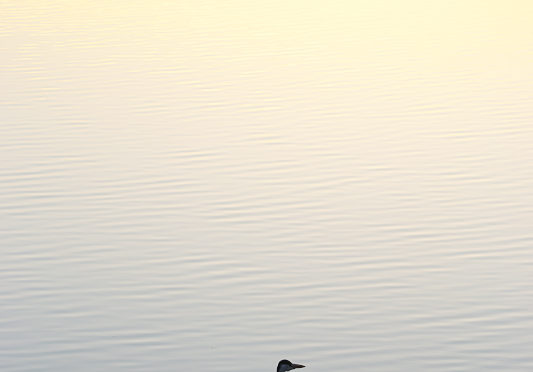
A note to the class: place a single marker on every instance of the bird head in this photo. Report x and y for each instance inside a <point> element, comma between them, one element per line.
<point>285,365</point>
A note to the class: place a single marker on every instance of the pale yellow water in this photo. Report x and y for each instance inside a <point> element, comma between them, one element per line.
<point>216,185</point>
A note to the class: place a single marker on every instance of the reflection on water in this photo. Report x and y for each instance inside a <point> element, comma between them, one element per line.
<point>216,186</point>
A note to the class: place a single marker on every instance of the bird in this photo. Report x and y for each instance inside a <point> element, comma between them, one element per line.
<point>285,365</point>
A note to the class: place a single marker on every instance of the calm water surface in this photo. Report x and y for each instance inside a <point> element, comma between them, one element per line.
<point>213,186</point>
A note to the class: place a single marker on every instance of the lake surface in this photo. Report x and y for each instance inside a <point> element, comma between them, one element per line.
<point>213,186</point>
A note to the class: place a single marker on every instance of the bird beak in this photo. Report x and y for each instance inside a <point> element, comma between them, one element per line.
<point>294,365</point>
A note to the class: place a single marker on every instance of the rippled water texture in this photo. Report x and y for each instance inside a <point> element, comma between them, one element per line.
<point>213,186</point>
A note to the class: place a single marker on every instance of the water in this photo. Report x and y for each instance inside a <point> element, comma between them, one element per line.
<point>214,186</point>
